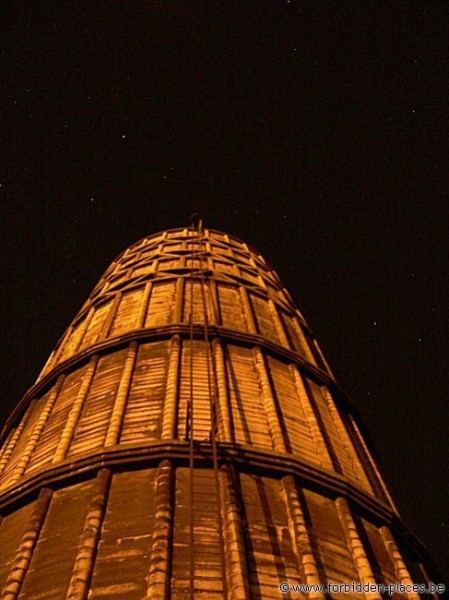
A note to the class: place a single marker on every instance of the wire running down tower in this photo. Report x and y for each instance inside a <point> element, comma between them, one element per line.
<point>187,439</point>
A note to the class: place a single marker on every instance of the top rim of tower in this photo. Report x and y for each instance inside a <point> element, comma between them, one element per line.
<point>189,228</point>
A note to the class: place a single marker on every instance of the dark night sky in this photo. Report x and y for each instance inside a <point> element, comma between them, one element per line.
<point>316,131</point>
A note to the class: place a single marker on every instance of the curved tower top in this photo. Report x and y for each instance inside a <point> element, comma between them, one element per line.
<point>187,439</point>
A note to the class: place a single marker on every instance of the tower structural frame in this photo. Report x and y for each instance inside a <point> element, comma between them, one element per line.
<point>187,439</point>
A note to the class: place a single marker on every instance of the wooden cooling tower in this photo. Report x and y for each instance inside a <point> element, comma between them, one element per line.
<point>186,439</point>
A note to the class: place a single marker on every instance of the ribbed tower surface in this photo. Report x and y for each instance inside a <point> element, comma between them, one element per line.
<point>186,439</point>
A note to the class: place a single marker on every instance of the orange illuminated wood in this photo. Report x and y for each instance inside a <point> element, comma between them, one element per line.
<point>116,485</point>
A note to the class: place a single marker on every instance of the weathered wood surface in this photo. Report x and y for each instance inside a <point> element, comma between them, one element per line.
<point>123,382</point>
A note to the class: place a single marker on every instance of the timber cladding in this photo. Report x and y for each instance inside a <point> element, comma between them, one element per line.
<point>187,439</point>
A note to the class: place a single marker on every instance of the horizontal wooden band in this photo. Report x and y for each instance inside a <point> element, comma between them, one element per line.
<point>244,458</point>
<point>161,333</point>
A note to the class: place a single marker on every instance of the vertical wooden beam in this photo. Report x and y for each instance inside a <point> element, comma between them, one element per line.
<point>248,310</point>
<point>12,443</point>
<point>358,467</point>
<point>161,544</point>
<point>402,572</point>
<point>171,392</point>
<point>315,430</point>
<point>356,548</point>
<point>83,328</point>
<point>75,412</point>
<point>59,351</point>
<point>52,358</point>
<point>8,438</point>
<point>87,549</point>
<point>234,538</point>
<point>326,364</point>
<point>214,302</point>
<point>143,309</point>
<point>225,426</point>
<point>277,323</point>
<point>36,433</point>
<point>271,409</point>
<point>373,464</point>
<point>304,343</point>
<point>118,411</point>
<point>179,302</point>
<point>27,545</point>
<point>300,536</point>
<point>104,333</point>
<point>106,286</point>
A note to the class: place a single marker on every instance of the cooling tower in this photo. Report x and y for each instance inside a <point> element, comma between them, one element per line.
<point>187,439</point>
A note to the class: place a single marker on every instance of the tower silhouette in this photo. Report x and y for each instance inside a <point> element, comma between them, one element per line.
<point>187,439</point>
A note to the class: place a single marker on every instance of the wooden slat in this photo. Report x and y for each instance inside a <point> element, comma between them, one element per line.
<point>118,410</point>
<point>225,266</point>
<point>35,434</point>
<point>143,416</point>
<point>6,442</point>
<point>162,303</point>
<point>272,557</point>
<point>311,413</point>
<point>75,339</point>
<point>54,427</point>
<point>329,540</point>
<point>93,422</point>
<point>179,303</point>
<point>282,336</point>
<point>143,269</point>
<point>296,336</point>
<point>170,401</point>
<point>208,582</point>
<point>51,361</point>
<point>12,441</point>
<point>27,549</point>
<point>248,310</point>
<point>380,559</point>
<point>122,560</point>
<point>84,561</point>
<point>264,318</point>
<point>53,558</point>
<point>16,454</point>
<point>402,573</point>
<point>270,405</point>
<point>357,466</point>
<point>94,330</point>
<point>302,545</point>
<point>106,328</point>
<point>143,308</point>
<point>231,307</point>
<point>248,413</point>
<point>355,545</point>
<point>369,460</point>
<point>75,412</point>
<point>165,264</point>
<point>11,531</point>
<point>298,434</point>
<point>225,427</point>
<point>234,536</point>
<point>201,405</point>
<point>197,310</point>
<point>337,445</point>
<point>161,548</point>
